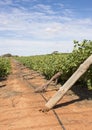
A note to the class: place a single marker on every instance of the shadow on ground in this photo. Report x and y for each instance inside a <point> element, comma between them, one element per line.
<point>82,93</point>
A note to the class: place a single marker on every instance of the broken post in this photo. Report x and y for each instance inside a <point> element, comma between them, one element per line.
<point>44,87</point>
<point>61,92</point>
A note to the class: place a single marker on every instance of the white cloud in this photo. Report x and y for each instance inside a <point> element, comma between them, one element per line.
<point>25,47</point>
<point>41,29</point>
<point>86,21</point>
<point>26,0</point>
<point>35,25</point>
<point>5,2</point>
<point>61,5</point>
<point>44,8</point>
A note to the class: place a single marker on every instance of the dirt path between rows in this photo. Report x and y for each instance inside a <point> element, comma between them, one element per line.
<point>19,105</point>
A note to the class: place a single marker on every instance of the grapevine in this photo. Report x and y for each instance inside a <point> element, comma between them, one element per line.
<point>50,64</point>
<point>4,67</point>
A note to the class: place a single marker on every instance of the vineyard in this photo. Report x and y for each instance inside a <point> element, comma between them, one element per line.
<point>20,103</point>
<point>4,67</point>
<point>50,64</point>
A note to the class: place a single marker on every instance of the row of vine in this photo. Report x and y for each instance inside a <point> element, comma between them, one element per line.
<point>4,67</point>
<point>50,64</point>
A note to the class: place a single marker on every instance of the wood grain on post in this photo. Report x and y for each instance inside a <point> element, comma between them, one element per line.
<point>77,74</point>
<point>45,86</point>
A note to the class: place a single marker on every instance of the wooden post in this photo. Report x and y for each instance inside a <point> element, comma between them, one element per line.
<point>61,92</point>
<point>45,86</point>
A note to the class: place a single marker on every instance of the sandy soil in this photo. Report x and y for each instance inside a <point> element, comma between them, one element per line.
<point>19,105</point>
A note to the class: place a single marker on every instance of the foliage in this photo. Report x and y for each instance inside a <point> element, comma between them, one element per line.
<point>50,64</point>
<point>81,52</point>
<point>7,55</point>
<point>4,67</point>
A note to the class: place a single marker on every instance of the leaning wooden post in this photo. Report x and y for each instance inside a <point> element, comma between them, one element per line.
<point>61,92</point>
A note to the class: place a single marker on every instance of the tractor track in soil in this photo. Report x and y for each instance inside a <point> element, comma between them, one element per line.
<point>19,105</point>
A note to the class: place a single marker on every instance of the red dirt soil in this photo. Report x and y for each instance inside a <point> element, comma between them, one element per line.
<point>19,105</point>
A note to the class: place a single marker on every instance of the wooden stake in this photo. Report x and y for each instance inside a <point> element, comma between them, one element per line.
<point>61,92</point>
<point>45,86</point>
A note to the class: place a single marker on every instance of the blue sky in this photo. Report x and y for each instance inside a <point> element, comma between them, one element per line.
<point>34,27</point>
